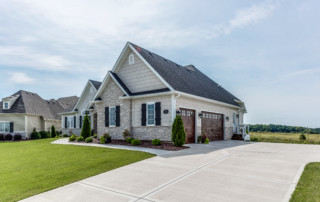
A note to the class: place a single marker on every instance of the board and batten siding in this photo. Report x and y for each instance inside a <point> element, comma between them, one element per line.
<point>138,77</point>
<point>17,119</point>
<point>34,121</point>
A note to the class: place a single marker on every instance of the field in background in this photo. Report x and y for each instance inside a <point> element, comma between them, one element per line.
<point>284,137</point>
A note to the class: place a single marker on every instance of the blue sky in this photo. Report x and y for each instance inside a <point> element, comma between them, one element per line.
<point>264,52</point>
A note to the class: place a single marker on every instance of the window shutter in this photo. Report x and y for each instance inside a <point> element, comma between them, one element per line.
<point>117,115</point>
<point>11,127</point>
<point>143,115</point>
<point>74,122</point>
<point>106,116</point>
<point>65,122</point>
<point>80,121</point>
<point>158,113</point>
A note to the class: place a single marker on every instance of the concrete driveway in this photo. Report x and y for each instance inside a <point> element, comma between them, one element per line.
<point>220,171</point>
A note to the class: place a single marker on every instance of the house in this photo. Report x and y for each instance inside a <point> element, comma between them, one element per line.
<point>144,92</point>
<point>72,118</point>
<point>24,111</point>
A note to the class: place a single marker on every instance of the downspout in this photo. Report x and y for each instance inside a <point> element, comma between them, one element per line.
<point>174,103</point>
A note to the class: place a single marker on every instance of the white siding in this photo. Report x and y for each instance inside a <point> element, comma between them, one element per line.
<point>18,120</point>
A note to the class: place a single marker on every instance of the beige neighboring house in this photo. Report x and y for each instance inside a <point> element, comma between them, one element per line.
<point>144,92</point>
<point>72,118</point>
<point>24,111</point>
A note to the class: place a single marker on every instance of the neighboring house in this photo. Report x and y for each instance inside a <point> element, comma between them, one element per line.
<point>72,118</point>
<point>24,111</point>
<point>144,92</point>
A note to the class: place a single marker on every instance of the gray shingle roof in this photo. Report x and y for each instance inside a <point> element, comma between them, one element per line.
<point>32,103</point>
<point>187,79</point>
<point>96,84</point>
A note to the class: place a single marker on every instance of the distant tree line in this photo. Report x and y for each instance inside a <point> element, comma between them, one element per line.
<point>283,129</point>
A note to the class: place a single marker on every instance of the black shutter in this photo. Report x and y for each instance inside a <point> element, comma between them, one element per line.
<point>74,122</point>
<point>106,116</point>
<point>143,115</point>
<point>65,122</point>
<point>117,115</point>
<point>158,113</point>
<point>11,127</point>
<point>80,121</point>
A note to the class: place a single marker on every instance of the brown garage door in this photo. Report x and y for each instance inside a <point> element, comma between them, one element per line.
<point>212,125</point>
<point>188,118</point>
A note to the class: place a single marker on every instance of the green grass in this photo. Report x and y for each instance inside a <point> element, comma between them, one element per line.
<point>32,167</point>
<point>308,188</point>
<point>284,138</point>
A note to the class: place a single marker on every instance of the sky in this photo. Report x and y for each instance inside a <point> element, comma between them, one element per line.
<point>266,53</point>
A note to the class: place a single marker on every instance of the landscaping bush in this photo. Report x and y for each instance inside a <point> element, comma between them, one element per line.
<point>206,141</point>
<point>43,134</point>
<point>1,137</point>
<point>72,138</point>
<point>17,137</point>
<point>254,139</point>
<point>86,129</point>
<point>203,136</point>
<point>107,137</point>
<point>8,137</point>
<point>129,139</point>
<point>80,139</point>
<point>35,135</point>
<point>302,137</point>
<point>53,132</point>
<point>102,140</point>
<point>95,136</point>
<point>199,139</point>
<point>89,139</point>
<point>65,135</point>
<point>126,134</point>
<point>135,142</point>
<point>178,134</point>
<point>156,142</point>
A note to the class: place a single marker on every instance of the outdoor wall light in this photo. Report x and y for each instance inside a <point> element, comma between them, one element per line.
<point>237,115</point>
<point>227,118</point>
<point>178,112</point>
<point>200,115</point>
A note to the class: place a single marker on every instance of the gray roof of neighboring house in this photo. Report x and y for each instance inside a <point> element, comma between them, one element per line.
<point>32,103</point>
<point>96,84</point>
<point>187,79</point>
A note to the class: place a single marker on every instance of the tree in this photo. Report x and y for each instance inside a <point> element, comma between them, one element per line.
<point>86,129</point>
<point>178,134</point>
<point>53,132</point>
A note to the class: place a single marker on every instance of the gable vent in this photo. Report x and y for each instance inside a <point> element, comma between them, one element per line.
<point>190,67</point>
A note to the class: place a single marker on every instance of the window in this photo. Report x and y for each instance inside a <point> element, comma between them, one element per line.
<point>131,59</point>
<point>6,105</point>
<point>112,116</point>
<point>150,114</point>
<point>4,126</point>
<point>70,122</point>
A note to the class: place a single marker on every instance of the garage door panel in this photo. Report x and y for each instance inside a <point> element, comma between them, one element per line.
<point>188,118</point>
<point>212,125</point>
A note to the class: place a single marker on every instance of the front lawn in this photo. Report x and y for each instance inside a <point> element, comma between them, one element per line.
<point>32,167</point>
<point>284,137</point>
<point>308,188</point>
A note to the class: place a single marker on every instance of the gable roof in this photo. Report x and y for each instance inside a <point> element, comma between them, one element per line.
<point>187,79</point>
<point>32,103</point>
<point>96,84</point>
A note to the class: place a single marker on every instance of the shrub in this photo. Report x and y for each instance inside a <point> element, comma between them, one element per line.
<point>203,136</point>
<point>89,139</point>
<point>129,139</point>
<point>80,139</point>
<point>199,139</point>
<point>102,140</point>
<point>71,139</point>
<point>126,134</point>
<point>254,139</point>
<point>17,137</point>
<point>86,129</point>
<point>156,142</point>
<point>8,137</point>
<point>73,135</point>
<point>135,142</point>
<point>43,134</point>
<point>35,135</point>
<point>65,135</point>
<point>95,136</point>
<point>302,137</point>
<point>107,137</point>
<point>1,136</point>
<point>53,132</point>
<point>178,134</point>
<point>206,141</point>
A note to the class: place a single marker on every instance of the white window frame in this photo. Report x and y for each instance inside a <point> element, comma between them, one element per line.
<point>110,117</point>
<point>4,105</point>
<point>131,59</point>
<point>71,120</point>
<point>154,114</point>
<point>5,122</point>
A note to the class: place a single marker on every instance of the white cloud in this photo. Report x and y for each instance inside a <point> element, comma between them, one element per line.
<point>20,78</point>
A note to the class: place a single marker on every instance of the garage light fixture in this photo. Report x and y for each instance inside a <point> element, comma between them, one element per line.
<point>200,115</point>
<point>227,118</point>
<point>178,112</point>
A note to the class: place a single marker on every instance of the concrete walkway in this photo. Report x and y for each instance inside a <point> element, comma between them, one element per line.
<point>221,171</point>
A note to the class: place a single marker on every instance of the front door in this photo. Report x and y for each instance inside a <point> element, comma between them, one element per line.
<point>188,118</point>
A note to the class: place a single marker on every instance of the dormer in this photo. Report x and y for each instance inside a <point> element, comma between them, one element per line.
<point>9,101</point>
